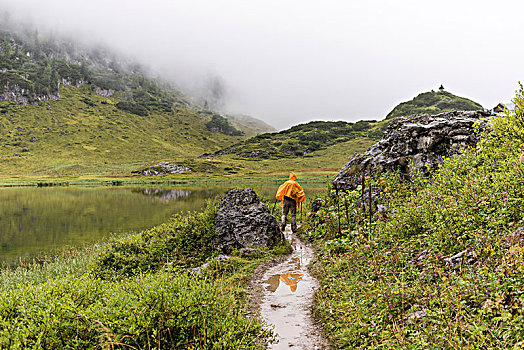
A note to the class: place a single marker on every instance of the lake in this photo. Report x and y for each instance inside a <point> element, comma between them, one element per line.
<point>40,221</point>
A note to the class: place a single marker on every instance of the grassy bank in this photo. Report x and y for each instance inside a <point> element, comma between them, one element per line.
<point>314,166</point>
<point>169,180</point>
<point>135,291</point>
<point>389,281</point>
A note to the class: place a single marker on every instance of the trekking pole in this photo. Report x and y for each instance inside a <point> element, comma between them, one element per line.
<point>338,210</point>
<point>301,214</point>
<point>272,210</point>
<point>370,207</point>
<point>363,190</point>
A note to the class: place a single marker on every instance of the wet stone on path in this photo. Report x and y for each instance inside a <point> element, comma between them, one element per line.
<point>288,296</point>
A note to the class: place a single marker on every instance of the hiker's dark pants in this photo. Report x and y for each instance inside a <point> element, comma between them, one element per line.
<point>289,205</point>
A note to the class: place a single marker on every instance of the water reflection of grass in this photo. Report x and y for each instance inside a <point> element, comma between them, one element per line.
<point>168,180</point>
<point>36,221</point>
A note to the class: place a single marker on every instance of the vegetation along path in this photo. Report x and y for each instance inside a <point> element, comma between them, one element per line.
<point>287,299</point>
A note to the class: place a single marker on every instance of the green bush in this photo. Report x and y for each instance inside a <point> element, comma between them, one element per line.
<point>184,241</point>
<point>132,108</point>
<point>153,311</point>
<point>222,125</point>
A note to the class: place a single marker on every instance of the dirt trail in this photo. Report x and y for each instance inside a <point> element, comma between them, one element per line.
<point>287,299</point>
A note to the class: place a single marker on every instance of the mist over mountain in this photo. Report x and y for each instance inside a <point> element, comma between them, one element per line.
<point>294,61</point>
<point>69,108</point>
<point>204,89</point>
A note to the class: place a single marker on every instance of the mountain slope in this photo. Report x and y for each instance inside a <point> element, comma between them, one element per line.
<point>249,125</point>
<point>434,102</point>
<point>442,265</point>
<point>303,139</point>
<point>66,109</point>
<point>84,132</point>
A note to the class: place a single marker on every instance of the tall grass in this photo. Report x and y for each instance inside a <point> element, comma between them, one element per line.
<point>74,262</point>
<point>164,310</point>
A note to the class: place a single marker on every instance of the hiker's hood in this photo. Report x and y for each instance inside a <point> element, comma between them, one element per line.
<point>291,189</point>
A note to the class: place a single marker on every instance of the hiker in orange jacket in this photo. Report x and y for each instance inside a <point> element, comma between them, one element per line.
<point>291,194</point>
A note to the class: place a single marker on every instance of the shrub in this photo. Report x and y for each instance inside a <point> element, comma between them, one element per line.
<point>153,311</point>
<point>132,108</point>
<point>135,294</point>
<point>184,241</point>
<point>222,125</point>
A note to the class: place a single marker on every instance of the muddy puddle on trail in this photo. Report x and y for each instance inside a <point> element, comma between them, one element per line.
<point>287,299</point>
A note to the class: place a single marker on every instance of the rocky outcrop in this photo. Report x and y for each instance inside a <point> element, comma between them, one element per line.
<point>104,92</point>
<point>417,142</point>
<point>78,84</point>
<point>164,168</point>
<point>18,94</point>
<point>243,221</point>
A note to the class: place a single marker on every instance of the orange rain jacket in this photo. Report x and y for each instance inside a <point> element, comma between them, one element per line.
<point>291,189</point>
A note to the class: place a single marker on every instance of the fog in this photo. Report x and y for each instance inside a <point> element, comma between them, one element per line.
<point>292,61</point>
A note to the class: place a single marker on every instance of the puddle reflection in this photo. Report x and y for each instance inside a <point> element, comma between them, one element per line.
<point>289,279</point>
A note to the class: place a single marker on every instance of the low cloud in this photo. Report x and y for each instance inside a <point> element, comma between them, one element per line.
<point>293,61</point>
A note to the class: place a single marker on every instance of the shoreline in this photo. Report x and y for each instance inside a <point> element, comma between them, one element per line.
<point>30,181</point>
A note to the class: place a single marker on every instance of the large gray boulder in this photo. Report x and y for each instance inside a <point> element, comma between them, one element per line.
<point>243,221</point>
<point>417,141</point>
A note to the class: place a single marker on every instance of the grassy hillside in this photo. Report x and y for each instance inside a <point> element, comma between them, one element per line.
<point>443,266</point>
<point>86,133</point>
<point>319,149</point>
<point>303,139</point>
<point>249,125</point>
<point>434,102</point>
<point>323,162</point>
<point>69,110</point>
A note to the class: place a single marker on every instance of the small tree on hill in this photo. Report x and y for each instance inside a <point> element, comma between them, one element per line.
<point>441,88</point>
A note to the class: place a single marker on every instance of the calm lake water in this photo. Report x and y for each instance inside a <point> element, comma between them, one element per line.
<point>40,221</point>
